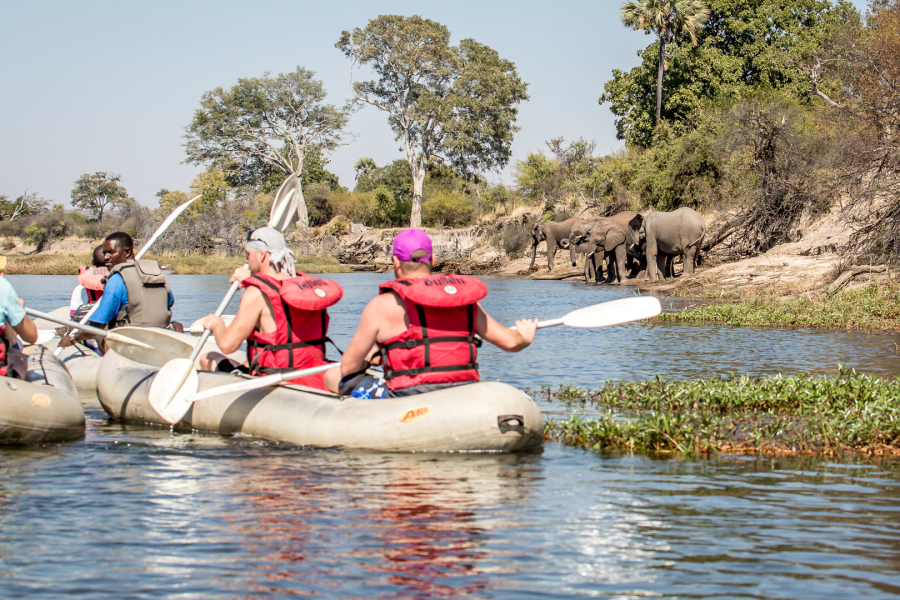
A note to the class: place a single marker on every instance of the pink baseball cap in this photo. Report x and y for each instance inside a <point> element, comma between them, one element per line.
<point>408,242</point>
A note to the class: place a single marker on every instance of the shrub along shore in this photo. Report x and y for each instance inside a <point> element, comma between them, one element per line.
<point>67,264</point>
<point>779,415</point>
<point>871,307</point>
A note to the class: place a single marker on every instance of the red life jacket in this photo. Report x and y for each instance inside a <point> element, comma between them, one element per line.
<point>440,345</point>
<point>4,351</point>
<point>299,308</point>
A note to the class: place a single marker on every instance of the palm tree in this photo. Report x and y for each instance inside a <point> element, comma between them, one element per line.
<point>667,19</point>
<point>364,166</point>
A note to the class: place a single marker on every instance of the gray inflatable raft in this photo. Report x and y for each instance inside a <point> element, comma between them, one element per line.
<point>484,416</point>
<point>44,409</point>
<point>83,363</point>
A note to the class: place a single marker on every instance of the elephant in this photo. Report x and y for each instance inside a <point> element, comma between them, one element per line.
<point>554,233</point>
<point>581,233</point>
<point>669,234</point>
<point>577,242</point>
<point>608,237</point>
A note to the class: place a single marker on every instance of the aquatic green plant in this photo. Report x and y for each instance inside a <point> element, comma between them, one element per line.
<point>871,307</point>
<point>746,415</point>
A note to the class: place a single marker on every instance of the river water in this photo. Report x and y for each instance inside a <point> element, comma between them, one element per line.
<point>136,512</point>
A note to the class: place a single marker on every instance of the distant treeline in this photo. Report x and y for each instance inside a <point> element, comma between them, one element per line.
<point>770,112</point>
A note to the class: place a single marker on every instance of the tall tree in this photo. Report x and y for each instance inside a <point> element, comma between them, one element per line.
<point>263,123</point>
<point>94,193</point>
<point>23,206</point>
<point>457,103</point>
<point>365,166</point>
<point>667,19</point>
<point>744,45</point>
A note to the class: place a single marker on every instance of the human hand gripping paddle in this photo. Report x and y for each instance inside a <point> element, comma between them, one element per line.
<point>159,231</point>
<point>605,314</point>
<point>177,379</point>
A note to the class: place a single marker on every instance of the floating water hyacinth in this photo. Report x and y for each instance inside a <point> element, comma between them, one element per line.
<point>745,415</point>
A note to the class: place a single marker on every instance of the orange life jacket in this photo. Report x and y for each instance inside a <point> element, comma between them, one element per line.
<point>299,307</point>
<point>440,345</point>
<point>92,280</point>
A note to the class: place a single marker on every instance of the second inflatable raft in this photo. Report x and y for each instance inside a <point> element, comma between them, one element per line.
<point>43,409</point>
<point>484,416</point>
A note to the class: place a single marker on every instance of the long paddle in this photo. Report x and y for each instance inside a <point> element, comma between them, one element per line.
<point>175,410</point>
<point>159,231</point>
<point>604,314</point>
<point>112,338</point>
<point>177,379</point>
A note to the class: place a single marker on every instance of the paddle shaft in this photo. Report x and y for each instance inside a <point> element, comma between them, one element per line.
<point>54,319</point>
<point>547,323</point>
<point>261,382</point>
<point>234,286</point>
<point>219,311</point>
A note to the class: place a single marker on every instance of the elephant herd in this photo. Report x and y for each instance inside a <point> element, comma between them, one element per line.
<point>626,242</point>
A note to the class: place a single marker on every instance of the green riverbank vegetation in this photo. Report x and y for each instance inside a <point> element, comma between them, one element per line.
<point>869,307</point>
<point>779,415</point>
<point>68,264</point>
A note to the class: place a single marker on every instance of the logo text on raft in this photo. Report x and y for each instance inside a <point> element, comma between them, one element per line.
<point>415,414</point>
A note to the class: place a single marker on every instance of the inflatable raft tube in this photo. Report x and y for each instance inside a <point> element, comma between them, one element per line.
<point>83,363</point>
<point>44,409</point>
<point>479,417</point>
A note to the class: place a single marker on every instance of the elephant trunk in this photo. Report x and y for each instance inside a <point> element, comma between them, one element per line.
<point>533,253</point>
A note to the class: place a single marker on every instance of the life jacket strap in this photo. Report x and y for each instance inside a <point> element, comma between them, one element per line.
<point>389,374</point>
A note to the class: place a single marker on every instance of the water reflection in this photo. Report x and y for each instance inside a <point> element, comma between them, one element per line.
<point>139,512</point>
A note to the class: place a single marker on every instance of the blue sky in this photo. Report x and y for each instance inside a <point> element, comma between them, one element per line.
<point>109,86</point>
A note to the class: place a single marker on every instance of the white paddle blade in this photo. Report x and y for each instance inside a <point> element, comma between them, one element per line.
<point>614,313</point>
<point>287,199</point>
<point>154,347</point>
<point>44,336</point>
<point>171,388</point>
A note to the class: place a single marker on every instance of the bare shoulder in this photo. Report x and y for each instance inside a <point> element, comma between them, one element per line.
<point>385,304</point>
<point>252,299</point>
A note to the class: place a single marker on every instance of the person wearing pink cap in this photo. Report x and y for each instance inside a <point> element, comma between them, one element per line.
<point>425,328</point>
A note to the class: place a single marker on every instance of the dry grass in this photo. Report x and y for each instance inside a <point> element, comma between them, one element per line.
<point>68,264</point>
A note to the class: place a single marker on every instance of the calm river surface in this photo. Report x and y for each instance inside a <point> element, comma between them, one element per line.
<point>135,512</point>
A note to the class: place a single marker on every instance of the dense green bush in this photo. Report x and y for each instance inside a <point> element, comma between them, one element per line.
<point>445,209</point>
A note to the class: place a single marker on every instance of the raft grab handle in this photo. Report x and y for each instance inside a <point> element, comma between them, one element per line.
<point>511,423</point>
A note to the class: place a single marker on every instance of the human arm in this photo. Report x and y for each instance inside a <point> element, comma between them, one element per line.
<point>355,357</point>
<point>13,313</point>
<point>511,340</point>
<point>27,330</point>
<point>115,296</point>
<point>230,338</point>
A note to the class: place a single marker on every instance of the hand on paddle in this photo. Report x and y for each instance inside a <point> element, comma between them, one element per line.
<point>240,274</point>
<point>527,328</point>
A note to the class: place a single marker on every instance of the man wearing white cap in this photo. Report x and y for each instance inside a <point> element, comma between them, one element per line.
<point>282,316</point>
<point>424,328</point>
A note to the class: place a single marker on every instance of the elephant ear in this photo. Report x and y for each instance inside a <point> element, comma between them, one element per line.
<point>634,228</point>
<point>614,237</point>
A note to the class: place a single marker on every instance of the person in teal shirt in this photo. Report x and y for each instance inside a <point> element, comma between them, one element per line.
<point>13,319</point>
